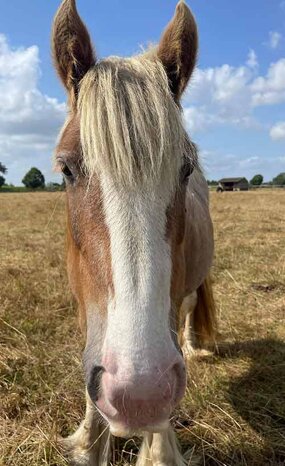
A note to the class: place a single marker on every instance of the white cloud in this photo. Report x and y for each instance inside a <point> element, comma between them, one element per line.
<point>277,132</point>
<point>217,96</point>
<point>252,61</point>
<point>228,95</point>
<point>231,96</point>
<point>271,88</point>
<point>274,39</point>
<point>29,120</point>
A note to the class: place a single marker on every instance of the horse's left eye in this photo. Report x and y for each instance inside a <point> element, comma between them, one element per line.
<point>66,171</point>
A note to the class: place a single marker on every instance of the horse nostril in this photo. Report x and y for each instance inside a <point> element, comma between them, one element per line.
<point>94,382</point>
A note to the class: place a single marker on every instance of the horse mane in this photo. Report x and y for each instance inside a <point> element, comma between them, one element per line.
<point>131,127</point>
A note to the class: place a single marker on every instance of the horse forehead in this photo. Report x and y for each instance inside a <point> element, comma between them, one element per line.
<point>69,140</point>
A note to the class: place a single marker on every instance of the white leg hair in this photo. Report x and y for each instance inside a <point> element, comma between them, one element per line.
<point>187,308</point>
<point>90,445</point>
<point>160,450</point>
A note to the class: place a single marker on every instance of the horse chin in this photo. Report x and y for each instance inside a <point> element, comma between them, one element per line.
<point>124,431</point>
<point>137,422</point>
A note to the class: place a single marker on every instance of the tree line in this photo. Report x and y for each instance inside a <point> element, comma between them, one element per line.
<point>33,179</point>
<point>258,180</point>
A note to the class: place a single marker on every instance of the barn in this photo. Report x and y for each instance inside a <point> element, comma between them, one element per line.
<point>234,184</point>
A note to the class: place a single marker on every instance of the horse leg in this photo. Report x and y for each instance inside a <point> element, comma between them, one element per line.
<point>90,445</point>
<point>160,450</point>
<point>189,339</point>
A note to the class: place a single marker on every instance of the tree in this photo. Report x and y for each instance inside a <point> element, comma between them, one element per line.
<point>34,179</point>
<point>257,180</point>
<point>3,169</point>
<point>279,180</point>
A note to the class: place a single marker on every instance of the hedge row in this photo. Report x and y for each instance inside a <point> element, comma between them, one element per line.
<point>22,189</point>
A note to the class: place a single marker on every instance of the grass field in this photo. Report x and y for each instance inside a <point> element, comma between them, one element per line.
<point>234,411</point>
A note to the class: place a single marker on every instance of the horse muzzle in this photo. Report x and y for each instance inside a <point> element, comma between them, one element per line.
<point>135,401</point>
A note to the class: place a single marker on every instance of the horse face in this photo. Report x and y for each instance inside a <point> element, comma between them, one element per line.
<point>125,235</point>
<point>124,259</point>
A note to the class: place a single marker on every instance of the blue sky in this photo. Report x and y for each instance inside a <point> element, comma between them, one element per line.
<point>234,105</point>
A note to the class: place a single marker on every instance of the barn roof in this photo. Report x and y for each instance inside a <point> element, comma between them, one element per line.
<point>232,180</point>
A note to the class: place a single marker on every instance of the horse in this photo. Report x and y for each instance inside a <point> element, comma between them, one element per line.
<point>139,235</point>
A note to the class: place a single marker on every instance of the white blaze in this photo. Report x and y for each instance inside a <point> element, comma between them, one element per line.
<point>138,311</point>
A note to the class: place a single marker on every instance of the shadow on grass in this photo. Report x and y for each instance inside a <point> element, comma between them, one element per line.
<point>259,395</point>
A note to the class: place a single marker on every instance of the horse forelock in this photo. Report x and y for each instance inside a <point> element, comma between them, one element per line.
<point>131,128</point>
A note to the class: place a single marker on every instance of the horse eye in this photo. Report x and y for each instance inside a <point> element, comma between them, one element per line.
<point>66,171</point>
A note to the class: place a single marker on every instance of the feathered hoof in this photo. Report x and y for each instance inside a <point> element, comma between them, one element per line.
<point>163,450</point>
<point>75,452</point>
<point>80,450</point>
<point>188,351</point>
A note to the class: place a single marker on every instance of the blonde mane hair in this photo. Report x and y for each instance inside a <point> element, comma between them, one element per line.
<point>131,127</point>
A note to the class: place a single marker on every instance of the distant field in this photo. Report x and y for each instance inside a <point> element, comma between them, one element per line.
<point>234,411</point>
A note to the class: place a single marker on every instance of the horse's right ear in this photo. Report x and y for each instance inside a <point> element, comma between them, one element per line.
<point>71,46</point>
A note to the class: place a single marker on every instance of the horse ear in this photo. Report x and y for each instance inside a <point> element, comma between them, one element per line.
<point>71,46</point>
<point>178,48</point>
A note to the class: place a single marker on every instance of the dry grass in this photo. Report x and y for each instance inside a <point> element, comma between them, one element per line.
<point>234,411</point>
